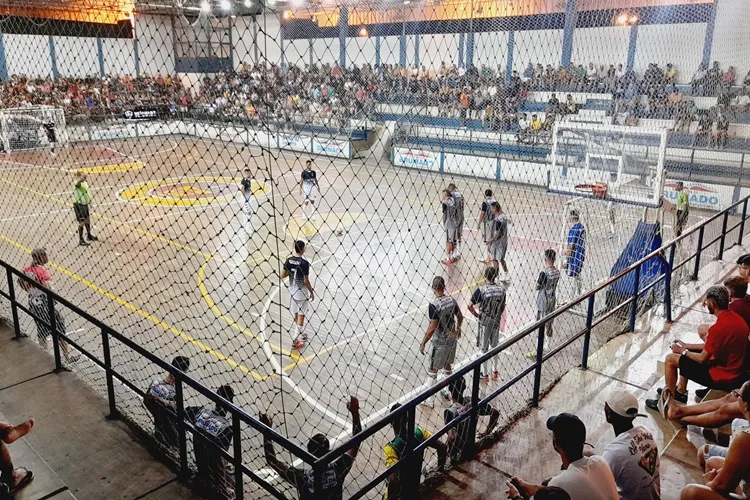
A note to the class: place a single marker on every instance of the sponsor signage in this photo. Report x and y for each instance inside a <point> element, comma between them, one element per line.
<point>332,147</point>
<point>405,157</point>
<point>295,142</point>
<point>115,132</point>
<point>702,195</point>
<point>144,113</point>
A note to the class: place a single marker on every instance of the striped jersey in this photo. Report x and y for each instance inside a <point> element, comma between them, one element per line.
<point>491,301</point>
<point>443,309</point>
<point>546,285</point>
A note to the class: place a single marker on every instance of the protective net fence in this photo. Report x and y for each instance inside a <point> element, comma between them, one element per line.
<point>168,155</point>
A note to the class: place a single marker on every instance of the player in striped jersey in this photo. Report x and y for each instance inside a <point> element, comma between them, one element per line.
<point>458,200</point>
<point>485,223</point>
<point>488,305</point>
<point>451,226</point>
<point>499,242</point>
<point>301,293</point>
<point>546,286</point>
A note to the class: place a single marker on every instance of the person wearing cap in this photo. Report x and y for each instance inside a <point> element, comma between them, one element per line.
<point>583,477</point>
<point>633,455</point>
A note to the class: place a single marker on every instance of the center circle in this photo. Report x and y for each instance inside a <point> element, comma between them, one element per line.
<point>188,192</point>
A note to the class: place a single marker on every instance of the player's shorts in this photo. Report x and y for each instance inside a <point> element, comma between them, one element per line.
<point>451,233</point>
<point>81,211</point>
<point>442,355</point>
<point>498,250</point>
<point>487,231</point>
<point>298,304</point>
<point>310,191</point>
<point>488,336</point>
<point>459,230</point>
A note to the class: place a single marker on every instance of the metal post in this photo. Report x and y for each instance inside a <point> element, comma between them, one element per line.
<point>668,285</point>
<point>720,255</point>
<point>318,481</point>
<point>742,222</point>
<point>113,413</point>
<point>473,420</point>
<point>636,293</point>
<point>181,424</point>
<point>53,330</point>
<point>587,336</point>
<point>538,369</point>
<point>410,482</point>
<point>239,483</point>
<point>698,254</point>
<point>13,306</point>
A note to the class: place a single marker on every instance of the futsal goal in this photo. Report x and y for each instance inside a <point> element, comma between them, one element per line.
<point>32,127</point>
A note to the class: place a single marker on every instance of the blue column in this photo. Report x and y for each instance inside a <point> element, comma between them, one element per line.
<point>509,57</point>
<point>570,24</point>
<point>461,49</point>
<point>136,57</point>
<point>469,49</point>
<point>416,49</point>
<point>402,47</point>
<point>709,40</point>
<point>343,31</point>
<point>53,58</point>
<point>3,63</point>
<point>632,45</point>
<point>311,51</point>
<point>100,54</point>
<point>256,56</point>
<point>377,51</point>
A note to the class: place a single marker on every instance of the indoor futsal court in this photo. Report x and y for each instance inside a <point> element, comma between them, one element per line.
<point>181,268</point>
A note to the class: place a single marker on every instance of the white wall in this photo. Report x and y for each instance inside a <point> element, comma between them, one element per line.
<point>679,44</point>
<point>297,52</point>
<point>269,34</point>
<point>537,46</point>
<point>731,45</point>
<point>27,55</point>
<point>491,49</point>
<point>389,49</point>
<point>326,50</point>
<point>410,50</point>
<point>606,46</point>
<point>76,56</point>
<point>434,49</point>
<point>242,38</point>
<point>155,44</point>
<point>119,56</point>
<point>360,51</point>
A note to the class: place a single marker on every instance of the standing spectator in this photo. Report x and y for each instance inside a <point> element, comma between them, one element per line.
<point>633,456</point>
<point>318,445</point>
<point>553,103</point>
<point>722,131</point>
<point>400,483</point>
<point>704,127</point>
<point>489,116</point>
<point>458,437</point>
<point>464,101</point>
<point>12,479</point>
<point>583,478</point>
<point>38,302</point>
<point>81,202</point>
<point>161,403</point>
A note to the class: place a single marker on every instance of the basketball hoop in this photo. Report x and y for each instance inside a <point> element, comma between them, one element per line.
<point>597,189</point>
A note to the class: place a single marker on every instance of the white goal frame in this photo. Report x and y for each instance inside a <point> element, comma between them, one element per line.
<point>22,128</point>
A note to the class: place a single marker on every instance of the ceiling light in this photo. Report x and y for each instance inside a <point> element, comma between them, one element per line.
<point>363,31</point>
<point>633,19</point>
<point>407,2</point>
<point>622,19</point>
<point>287,14</point>
<point>248,3</point>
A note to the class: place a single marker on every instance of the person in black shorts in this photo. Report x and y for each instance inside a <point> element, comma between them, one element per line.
<point>81,202</point>
<point>49,130</point>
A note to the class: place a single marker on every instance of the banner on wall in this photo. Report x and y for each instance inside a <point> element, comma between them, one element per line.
<point>295,142</point>
<point>416,158</point>
<point>332,147</point>
<point>702,195</point>
<point>114,132</point>
<point>475,166</point>
<point>145,113</point>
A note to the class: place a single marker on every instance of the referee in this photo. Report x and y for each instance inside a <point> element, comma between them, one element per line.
<point>683,208</point>
<point>81,202</point>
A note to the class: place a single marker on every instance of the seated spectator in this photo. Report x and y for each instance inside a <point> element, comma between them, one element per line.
<point>160,402</point>
<point>571,108</point>
<point>12,479</point>
<point>543,493</point>
<point>592,77</point>
<point>743,266</point>
<point>746,81</point>
<point>739,302</point>
<point>318,445</point>
<point>553,102</point>
<point>705,123</point>
<point>728,78</point>
<point>726,475</point>
<point>583,477</point>
<point>633,455</point>
<point>710,414</point>
<point>458,442</point>
<point>528,73</point>
<point>699,79</point>
<point>720,137</point>
<point>619,73</point>
<point>523,122</point>
<point>409,477</point>
<point>536,124</point>
<point>719,363</point>
<point>708,451</point>
<point>740,102</point>
<point>670,75</point>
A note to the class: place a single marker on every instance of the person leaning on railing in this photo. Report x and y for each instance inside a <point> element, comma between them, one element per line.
<point>160,401</point>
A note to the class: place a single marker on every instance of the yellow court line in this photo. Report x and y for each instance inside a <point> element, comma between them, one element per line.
<point>110,220</point>
<point>106,169</point>
<point>144,314</point>
<point>349,339</point>
<point>229,321</point>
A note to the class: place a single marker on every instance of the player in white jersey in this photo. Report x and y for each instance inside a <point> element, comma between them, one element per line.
<point>485,223</point>
<point>301,293</point>
<point>458,200</point>
<point>308,187</point>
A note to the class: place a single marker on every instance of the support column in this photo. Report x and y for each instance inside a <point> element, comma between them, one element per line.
<point>256,56</point>
<point>53,58</point>
<point>402,47</point>
<point>343,31</point>
<point>469,50</point>
<point>377,51</point>
<point>3,62</point>
<point>461,37</point>
<point>708,42</point>
<point>281,46</point>
<point>570,23</point>
<point>509,57</point>
<point>416,49</point>
<point>632,46</point>
<point>100,54</point>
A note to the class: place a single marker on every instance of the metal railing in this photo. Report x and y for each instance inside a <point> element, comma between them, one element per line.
<point>412,452</point>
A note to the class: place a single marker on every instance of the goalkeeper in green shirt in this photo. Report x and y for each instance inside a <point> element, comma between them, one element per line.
<point>81,201</point>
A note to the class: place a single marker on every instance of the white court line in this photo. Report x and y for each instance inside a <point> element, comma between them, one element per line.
<point>34,215</point>
<point>122,186</point>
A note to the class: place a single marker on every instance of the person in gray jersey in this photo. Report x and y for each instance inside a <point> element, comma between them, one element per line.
<point>451,226</point>
<point>488,305</point>
<point>484,223</point>
<point>458,200</point>
<point>444,331</point>
<point>499,239</point>
<point>546,286</point>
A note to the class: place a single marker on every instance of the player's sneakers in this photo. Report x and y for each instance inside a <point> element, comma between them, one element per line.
<point>299,343</point>
<point>83,243</point>
<point>484,377</point>
<point>448,262</point>
<point>495,375</point>
<point>92,238</point>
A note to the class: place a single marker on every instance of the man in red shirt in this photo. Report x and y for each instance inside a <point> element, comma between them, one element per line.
<point>740,302</point>
<point>717,363</point>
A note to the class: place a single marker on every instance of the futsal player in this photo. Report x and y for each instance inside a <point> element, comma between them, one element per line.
<point>308,188</point>
<point>451,226</point>
<point>488,305</point>
<point>246,187</point>
<point>546,286</point>
<point>301,293</point>
<point>81,202</point>
<point>485,223</point>
<point>458,199</point>
<point>499,243</point>
<point>49,130</point>
<point>444,330</point>
<point>575,251</point>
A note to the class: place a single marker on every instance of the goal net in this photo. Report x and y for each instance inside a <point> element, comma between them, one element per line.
<point>32,127</point>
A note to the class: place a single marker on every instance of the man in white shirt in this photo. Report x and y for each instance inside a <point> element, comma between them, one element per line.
<point>633,455</point>
<point>583,478</point>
